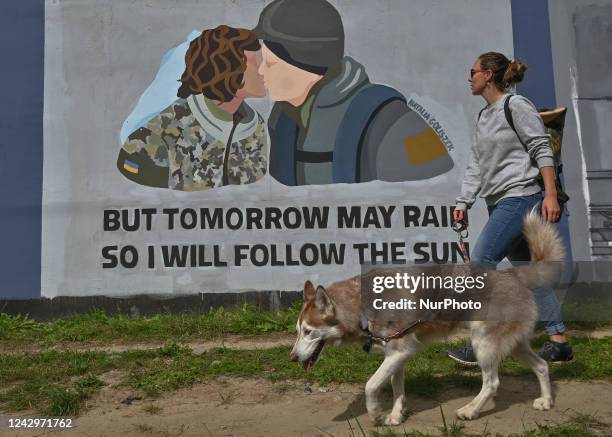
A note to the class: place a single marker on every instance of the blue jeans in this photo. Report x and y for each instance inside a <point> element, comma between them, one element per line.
<point>502,237</point>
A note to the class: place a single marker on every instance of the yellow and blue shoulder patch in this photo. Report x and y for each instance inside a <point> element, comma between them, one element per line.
<point>130,166</point>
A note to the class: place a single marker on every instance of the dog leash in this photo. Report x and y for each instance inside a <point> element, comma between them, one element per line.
<point>399,334</point>
<point>461,226</point>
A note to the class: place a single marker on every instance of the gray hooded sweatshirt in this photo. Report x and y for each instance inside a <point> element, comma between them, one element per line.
<point>500,166</point>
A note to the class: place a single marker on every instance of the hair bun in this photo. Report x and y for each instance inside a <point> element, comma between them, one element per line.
<point>505,72</point>
<point>515,72</point>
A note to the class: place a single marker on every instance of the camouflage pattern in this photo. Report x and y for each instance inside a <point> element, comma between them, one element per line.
<point>174,151</point>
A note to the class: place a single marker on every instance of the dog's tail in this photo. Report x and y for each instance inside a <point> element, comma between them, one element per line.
<point>546,250</point>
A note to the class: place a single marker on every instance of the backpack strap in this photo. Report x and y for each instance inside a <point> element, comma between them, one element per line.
<point>353,127</point>
<point>510,120</point>
<point>480,113</point>
<point>283,136</point>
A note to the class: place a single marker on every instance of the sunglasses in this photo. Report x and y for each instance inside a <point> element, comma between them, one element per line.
<point>473,72</point>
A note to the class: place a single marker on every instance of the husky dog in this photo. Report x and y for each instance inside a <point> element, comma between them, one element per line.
<point>335,315</point>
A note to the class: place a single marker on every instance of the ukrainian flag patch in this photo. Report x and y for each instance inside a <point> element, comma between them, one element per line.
<point>130,166</point>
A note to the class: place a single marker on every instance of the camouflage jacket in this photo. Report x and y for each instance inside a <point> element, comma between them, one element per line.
<point>186,148</point>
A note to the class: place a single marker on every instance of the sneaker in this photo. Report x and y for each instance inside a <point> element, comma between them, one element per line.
<point>465,356</point>
<point>557,353</point>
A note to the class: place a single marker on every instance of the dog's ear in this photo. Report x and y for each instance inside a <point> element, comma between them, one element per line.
<point>324,303</point>
<point>309,291</point>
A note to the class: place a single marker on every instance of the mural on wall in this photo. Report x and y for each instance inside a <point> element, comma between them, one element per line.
<point>329,123</point>
<point>208,137</point>
<point>252,159</point>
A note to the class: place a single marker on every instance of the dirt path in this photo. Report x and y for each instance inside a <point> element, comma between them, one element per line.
<point>230,341</point>
<point>257,407</point>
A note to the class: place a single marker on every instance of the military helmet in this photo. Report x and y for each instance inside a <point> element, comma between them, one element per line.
<point>304,33</point>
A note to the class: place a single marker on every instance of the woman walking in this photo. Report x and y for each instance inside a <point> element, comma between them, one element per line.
<point>506,168</point>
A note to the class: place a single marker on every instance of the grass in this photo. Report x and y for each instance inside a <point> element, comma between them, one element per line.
<point>51,398</point>
<point>97,325</point>
<point>59,381</point>
<point>53,383</point>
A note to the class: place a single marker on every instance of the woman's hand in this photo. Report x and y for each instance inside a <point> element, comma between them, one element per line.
<point>551,211</point>
<point>458,215</point>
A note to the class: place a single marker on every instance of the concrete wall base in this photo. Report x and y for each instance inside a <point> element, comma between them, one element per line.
<point>146,305</point>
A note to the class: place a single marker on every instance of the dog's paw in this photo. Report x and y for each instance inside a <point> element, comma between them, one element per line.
<point>543,404</point>
<point>376,418</point>
<point>394,419</point>
<point>467,413</point>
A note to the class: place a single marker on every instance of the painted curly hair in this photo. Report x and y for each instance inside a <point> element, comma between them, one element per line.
<point>215,63</point>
